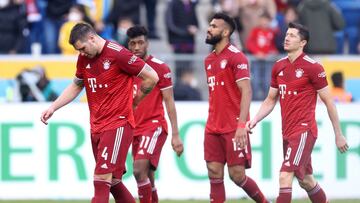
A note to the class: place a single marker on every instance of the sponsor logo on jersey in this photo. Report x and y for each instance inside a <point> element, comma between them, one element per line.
<point>104,166</point>
<point>141,151</point>
<point>242,66</point>
<point>322,74</point>
<point>167,75</point>
<point>287,163</point>
<point>223,63</point>
<point>209,67</point>
<point>106,64</point>
<point>132,59</point>
<point>281,73</point>
<point>299,72</point>
<point>241,155</point>
<point>88,66</point>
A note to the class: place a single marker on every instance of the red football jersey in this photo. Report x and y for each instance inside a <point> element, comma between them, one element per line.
<point>297,84</point>
<point>108,79</point>
<point>223,70</point>
<point>150,112</point>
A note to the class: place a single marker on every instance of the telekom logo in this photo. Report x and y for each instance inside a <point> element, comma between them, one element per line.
<point>282,90</point>
<point>92,84</point>
<point>211,82</point>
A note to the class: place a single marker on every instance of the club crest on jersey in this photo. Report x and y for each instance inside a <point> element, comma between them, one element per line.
<point>299,72</point>
<point>223,64</point>
<point>106,64</point>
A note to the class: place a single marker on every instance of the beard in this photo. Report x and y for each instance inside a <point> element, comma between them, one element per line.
<point>213,40</point>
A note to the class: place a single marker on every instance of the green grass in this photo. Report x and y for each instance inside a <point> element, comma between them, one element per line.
<point>168,201</point>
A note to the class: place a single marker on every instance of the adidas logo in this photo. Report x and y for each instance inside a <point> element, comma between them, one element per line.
<point>209,67</point>
<point>287,163</point>
<point>281,73</point>
<point>88,66</point>
<point>104,166</point>
<point>241,154</point>
<point>141,152</point>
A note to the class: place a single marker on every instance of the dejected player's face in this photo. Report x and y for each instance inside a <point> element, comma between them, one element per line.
<point>215,31</point>
<point>138,46</point>
<point>86,48</point>
<point>293,40</point>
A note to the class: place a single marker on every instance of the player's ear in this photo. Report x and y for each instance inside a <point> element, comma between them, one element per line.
<point>303,43</point>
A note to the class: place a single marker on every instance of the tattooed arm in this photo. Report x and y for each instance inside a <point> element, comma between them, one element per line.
<point>149,79</point>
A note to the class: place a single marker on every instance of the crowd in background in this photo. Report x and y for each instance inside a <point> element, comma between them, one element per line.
<point>28,26</point>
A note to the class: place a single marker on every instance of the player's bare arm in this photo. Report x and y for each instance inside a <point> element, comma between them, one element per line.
<point>246,95</point>
<point>149,79</point>
<point>340,140</point>
<point>69,94</point>
<point>168,97</point>
<point>265,109</point>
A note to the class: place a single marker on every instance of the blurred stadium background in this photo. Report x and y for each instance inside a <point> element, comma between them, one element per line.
<point>54,163</point>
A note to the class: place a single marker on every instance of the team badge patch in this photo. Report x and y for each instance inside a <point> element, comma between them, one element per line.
<point>223,64</point>
<point>299,72</point>
<point>106,64</point>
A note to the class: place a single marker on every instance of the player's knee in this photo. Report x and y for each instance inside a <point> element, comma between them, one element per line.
<point>307,183</point>
<point>214,171</point>
<point>286,179</point>
<point>139,174</point>
<point>237,176</point>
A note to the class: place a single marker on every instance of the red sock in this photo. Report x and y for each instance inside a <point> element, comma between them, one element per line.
<point>154,195</point>
<point>252,189</point>
<point>121,193</point>
<point>284,195</point>
<point>217,191</point>
<point>317,194</point>
<point>144,191</point>
<point>102,189</point>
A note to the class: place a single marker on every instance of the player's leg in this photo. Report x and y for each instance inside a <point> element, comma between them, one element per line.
<point>146,151</point>
<point>237,160</point>
<point>285,182</point>
<point>120,192</point>
<point>154,195</point>
<point>238,176</point>
<point>215,159</point>
<point>296,151</point>
<point>117,157</point>
<point>102,178</point>
<point>315,192</point>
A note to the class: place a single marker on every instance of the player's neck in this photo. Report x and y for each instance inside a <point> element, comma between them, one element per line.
<point>294,55</point>
<point>101,44</point>
<point>221,45</point>
<point>146,56</point>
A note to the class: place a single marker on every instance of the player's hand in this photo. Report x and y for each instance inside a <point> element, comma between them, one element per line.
<point>177,144</point>
<point>250,125</point>
<point>46,115</point>
<point>241,137</point>
<point>341,143</point>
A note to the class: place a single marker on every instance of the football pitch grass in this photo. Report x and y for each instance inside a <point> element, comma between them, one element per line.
<point>167,201</point>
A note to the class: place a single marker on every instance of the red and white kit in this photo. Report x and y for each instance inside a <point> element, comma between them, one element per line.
<point>298,83</point>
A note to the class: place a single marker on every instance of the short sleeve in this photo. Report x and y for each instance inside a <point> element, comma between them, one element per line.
<point>129,62</point>
<point>274,73</point>
<point>317,76</point>
<point>164,77</point>
<point>240,66</point>
<point>80,68</point>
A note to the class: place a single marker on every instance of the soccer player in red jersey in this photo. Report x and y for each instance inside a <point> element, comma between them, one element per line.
<point>106,70</point>
<point>296,81</point>
<point>226,139</point>
<point>151,127</point>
